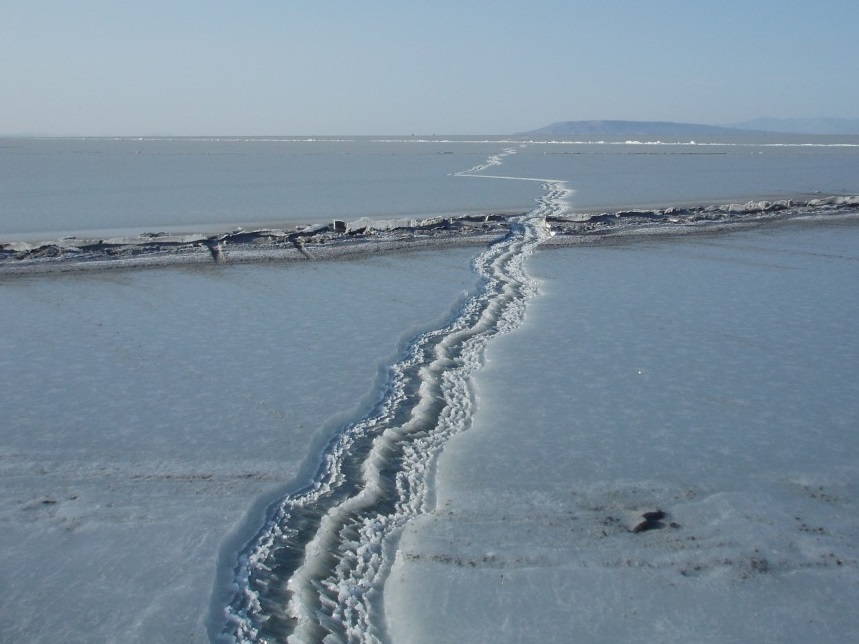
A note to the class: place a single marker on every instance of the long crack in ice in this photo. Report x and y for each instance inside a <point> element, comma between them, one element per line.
<point>316,570</point>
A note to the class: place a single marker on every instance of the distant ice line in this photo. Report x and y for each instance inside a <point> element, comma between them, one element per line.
<point>316,569</point>
<point>447,141</point>
<point>629,142</point>
<point>493,160</point>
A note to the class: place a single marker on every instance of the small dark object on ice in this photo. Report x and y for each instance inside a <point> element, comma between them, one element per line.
<point>652,521</point>
<point>656,515</point>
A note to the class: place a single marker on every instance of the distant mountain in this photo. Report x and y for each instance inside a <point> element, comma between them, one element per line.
<point>667,130</point>
<point>633,129</point>
<point>802,126</point>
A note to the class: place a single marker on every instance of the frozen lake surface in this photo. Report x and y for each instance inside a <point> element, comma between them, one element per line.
<point>51,188</point>
<point>713,379</point>
<point>55,187</point>
<point>151,414</point>
<point>222,452</point>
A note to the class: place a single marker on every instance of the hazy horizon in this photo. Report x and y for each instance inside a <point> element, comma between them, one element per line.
<point>99,68</point>
<point>822,126</point>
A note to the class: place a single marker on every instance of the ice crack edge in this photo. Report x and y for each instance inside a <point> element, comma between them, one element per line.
<point>317,568</point>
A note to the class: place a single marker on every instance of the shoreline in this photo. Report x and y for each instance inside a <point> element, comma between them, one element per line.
<point>351,240</point>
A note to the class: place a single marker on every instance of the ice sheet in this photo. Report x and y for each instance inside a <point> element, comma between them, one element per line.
<point>150,438</point>
<point>149,414</point>
<point>711,379</point>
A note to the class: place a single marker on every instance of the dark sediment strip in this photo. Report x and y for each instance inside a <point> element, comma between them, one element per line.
<point>327,241</point>
<point>347,240</point>
<point>567,230</point>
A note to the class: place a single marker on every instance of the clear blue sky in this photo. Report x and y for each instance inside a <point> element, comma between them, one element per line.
<point>129,67</point>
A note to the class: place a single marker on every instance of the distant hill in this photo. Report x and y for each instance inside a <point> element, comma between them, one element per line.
<point>633,129</point>
<point>802,126</point>
<point>667,130</point>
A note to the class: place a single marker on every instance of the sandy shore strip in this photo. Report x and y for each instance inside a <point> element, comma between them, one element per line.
<point>341,239</point>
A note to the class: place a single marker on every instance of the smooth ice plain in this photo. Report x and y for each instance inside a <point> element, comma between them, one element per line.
<point>150,415</point>
<point>711,378</point>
